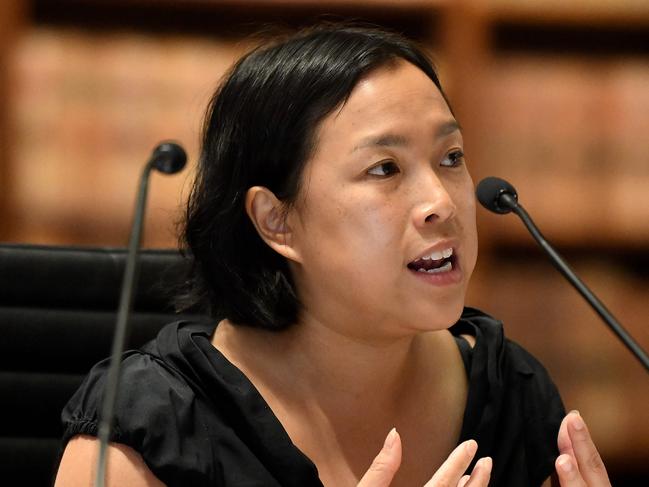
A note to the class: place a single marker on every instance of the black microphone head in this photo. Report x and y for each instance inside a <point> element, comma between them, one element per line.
<point>489,192</point>
<point>168,157</point>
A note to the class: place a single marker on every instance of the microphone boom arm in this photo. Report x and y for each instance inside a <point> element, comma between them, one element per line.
<point>168,158</point>
<point>508,200</point>
<point>121,327</point>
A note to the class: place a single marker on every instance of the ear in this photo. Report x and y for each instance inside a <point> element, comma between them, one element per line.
<point>269,218</point>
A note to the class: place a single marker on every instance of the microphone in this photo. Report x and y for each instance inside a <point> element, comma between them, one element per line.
<point>168,158</point>
<point>498,196</point>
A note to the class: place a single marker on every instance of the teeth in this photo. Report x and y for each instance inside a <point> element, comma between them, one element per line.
<point>446,267</point>
<point>442,254</point>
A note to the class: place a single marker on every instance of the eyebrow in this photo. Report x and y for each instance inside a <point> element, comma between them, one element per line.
<point>396,140</point>
<point>447,128</point>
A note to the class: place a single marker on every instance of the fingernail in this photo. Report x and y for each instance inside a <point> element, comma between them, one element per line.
<point>485,462</point>
<point>578,423</point>
<point>471,447</point>
<point>565,464</point>
<point>389,441</point>
<point>575,411</point>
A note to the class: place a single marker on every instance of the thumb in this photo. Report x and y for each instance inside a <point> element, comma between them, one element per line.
<point>386,463</point>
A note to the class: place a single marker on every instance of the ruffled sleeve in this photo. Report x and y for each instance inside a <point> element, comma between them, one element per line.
<point>153,406</point>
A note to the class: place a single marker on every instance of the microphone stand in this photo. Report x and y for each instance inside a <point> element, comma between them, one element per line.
<point>121,328</point>
<point>167,158</point>
<point>507,200</point>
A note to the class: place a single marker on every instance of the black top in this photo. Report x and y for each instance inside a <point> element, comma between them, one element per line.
<point>197,420</point>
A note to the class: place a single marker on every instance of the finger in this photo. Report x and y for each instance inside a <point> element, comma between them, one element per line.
<point>463,481</point>
<point>568,473</point>
<point>590,463</point>
<point>386,463</point>
<point>563,438</point>
<point>455,465</point>
<point>481,473</point>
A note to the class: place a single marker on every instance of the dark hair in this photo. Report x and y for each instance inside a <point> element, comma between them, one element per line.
<point>259,130</point>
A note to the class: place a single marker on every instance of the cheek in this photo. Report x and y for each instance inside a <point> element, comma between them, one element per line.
<point>376,224</point>
<point>352,231</point>
<point>467,213</point>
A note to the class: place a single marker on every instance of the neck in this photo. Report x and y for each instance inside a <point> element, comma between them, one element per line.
<point>337,395</point>
<point>335,371</point>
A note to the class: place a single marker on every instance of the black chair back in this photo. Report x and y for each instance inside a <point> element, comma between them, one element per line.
<point>57,315</point>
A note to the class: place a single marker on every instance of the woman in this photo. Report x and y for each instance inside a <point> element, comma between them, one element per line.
<point>332,225</point>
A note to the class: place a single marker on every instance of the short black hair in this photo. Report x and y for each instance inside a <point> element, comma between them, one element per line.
<point>260,130</point>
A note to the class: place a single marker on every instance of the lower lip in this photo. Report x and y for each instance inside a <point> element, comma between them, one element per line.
<point>454,276</point>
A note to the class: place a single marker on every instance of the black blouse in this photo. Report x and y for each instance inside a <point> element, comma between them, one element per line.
<point>197,420</point>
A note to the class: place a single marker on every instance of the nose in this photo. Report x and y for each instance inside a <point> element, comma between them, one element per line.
<point>435,203</point>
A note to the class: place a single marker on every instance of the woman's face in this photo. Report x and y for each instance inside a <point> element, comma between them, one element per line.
<point>385,223</point>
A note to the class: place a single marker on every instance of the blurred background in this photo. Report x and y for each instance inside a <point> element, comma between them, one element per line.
<point>552,95</point>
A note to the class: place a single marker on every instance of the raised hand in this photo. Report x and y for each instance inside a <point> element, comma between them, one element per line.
<point>579,464</point>
<point>450,474</point>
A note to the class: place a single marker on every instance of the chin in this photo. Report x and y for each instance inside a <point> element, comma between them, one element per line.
<point>451,312</point>
<point>438,317</point>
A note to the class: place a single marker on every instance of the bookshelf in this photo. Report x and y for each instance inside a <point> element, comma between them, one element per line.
<point>552,95</point>
<point>562,115</point>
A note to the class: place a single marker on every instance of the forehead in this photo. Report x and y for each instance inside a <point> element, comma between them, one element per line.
<point>397,96</point>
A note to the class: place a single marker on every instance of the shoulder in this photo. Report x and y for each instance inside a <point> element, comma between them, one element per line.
<point>514,407</point>
<point>489,333</point>
<point>145,375</point>
<point>157,402</point>
<point>505,359</point>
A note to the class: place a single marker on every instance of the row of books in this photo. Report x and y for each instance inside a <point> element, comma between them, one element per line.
<point>586,115</point>
<point>571,135</point>
<point>88,109</point>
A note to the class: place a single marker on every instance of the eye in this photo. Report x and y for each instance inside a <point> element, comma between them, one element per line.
<point>383,169</point>
<point>453,159</point>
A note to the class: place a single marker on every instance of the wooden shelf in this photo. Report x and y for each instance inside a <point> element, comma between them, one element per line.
<point>562,12</point>
<point>235,19</point>
<point>275,4</point>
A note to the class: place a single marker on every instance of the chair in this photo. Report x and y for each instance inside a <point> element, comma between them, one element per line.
<point>57,314</point>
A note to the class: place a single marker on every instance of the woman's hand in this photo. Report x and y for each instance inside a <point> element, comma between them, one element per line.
<point>450,474</point>
<point>579,464</point>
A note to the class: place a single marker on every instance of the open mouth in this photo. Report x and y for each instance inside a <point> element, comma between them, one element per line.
<point>434,263</point>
